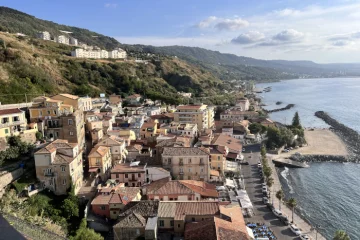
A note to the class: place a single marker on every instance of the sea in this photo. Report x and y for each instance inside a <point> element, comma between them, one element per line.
<point>327,194</point>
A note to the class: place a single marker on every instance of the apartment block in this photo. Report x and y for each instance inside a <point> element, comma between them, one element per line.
<point>13,123</point>
<point>73,41</point>
<point>58,165</point>
<point>100,163</point>
<point>44,35</point>
<point>117,146</point>
<point>187,163</point>
<point>131,174</point>
<point>202,115</point>
<point>62,39</point>
<point>99,53</point>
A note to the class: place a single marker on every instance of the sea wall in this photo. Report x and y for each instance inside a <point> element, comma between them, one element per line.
<point>280,109</point>
<point>350,137</point>
<point>321,158</point>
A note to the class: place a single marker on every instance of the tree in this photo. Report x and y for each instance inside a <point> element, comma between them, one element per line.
<point>287,136</point>
<point>70,209</point>
<point>269,183</point>
<point>296,121</point>
<point>341,235</point>
<point>255,128</point>
<point>275,139</point>
<point>292,203</point>
<point>263,151</point>
<point>84,233</point>
<point>280,195</point>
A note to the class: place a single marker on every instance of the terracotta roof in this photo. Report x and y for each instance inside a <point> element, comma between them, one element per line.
<point>214,173</point>
<point>99,151</point>
<point>202,188</point>
<point>148,125</point>
<point>10,111</point>
<point>155,185</point>
<point>167,209</point>
<point>183,151</point>
<point>173,187</point>
<point>201,230</point>
<point>57,144</point>
<point>231,155</point>
<point>195,208</point>
<point>134,96</point>
<point>69,96</point>
<point>109,195</point>
<point>230,142</point>
<point>62,159</point>
<point>135,147</point>
<point>126,168</point>
<point>101,199</point>
<point>133,220</point>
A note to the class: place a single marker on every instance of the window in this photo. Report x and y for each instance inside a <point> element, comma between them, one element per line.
<point>178,225</point>
<point>175,199</point>
<point>70,122</point>
<point>98,161</point>
<point>189,160</point>
<point>6,131</point>
<point>54,112</point>
<point>171,199</point>
<point>189,198</point>
<point>126,176</point>
<point>161,222</point>
<point>40,113</point>
<point>172,223</point>
<point>49,112</point>
<point>114,212</point>
<point>189,169</point>
<point>139,174</point>
<point>71,133</point>
<point>63,168</point>
<point>57,134</point>
<point>193,219</point>
<point>169,160</point>
<point>201,169</point>
<point>181,170</point>
<point>219,158</point>
<point>102,207</point>
<point>161,199</point>
<point>16,118</point>
<point>64,181</point>
<point>117,175</point>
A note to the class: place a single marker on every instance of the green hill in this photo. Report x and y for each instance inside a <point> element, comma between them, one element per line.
<point>33,67</point>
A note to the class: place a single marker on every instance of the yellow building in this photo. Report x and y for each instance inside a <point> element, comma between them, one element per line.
<point>72,100</point>
<point>100,162</point>
<point>148,130</point>
<point>202,115</point>
<point>58,165</point>
<point>13,123</point>
<point>217,157</point>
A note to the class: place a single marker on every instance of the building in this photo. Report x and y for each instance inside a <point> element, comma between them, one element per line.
<point>187,163</point>
<point>100,163</point>
<point>13,123</point>
<point>163,118</point>
<point>138,219</point>
<point>73,41</point>
<point>131,174</point>
<point>97,53</point>
<point>44,35</point>
<point>156,173</point>
<point>148,130</point>
<point>117,53</point>
<point>72,100</point>
<point>115,99</point>
<point>109,201</point>
<point>236,115</point>
<point>86,103</point>
<point>202,115</point>
<point>233,145</point>
<point>217,157</point>
<point>242,104</point>
<point>59,165</point>
<point>117,146</point>
<point>180,190</point>
<point>133,99</point>
<point>62,39</point>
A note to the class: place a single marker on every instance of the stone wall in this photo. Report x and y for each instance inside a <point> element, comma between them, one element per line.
<point>8,177</point>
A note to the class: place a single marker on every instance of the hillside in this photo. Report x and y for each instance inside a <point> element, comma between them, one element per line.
<point>35,67</point>
<point>14,21</point>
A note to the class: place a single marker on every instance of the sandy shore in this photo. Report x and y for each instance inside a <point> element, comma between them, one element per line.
<point>321,142</point>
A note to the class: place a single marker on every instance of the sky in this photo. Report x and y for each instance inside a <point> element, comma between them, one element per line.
<point>321,31</point>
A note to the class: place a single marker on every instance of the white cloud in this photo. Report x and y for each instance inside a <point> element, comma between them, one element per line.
<point>206,23</point>
<point>231,24</point>
<point>111,5</point>
<point>222,23</point>
<point>249,37</point>
<point>288,35</point>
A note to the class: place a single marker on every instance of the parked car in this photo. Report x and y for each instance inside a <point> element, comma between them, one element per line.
<point>243,150</point>
<point>284,220</point>
<point>259,165</point>
<point>277,212</point>
<point>305,237</point>
<point>270,206</point>
<point>265,200</point>
<point>244,163</point>
<point>295,229</point>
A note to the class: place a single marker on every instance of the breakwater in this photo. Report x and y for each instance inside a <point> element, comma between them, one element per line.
<point>280,109</point>
<point>321,158</point>
<point>350,137</point>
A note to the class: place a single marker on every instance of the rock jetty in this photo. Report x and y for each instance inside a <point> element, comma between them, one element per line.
<point>280,109</point>
<point>350,137</point>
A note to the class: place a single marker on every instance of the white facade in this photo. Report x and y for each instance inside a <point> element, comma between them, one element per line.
<point>44,35</point>
<point>117,53</point>
<point>97,54</point>
<point>156,173</point>
<point>104,54</point>
<point>74,41</point>
<point>62,39</point>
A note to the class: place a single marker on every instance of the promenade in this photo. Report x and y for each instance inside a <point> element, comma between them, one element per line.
<point>303,225</point>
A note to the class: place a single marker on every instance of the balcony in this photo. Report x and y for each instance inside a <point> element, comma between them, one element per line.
<point>181,173</point>
<point>181,163</point>
<point>201,163</point>
<point>14,123</point>
<point>51,174</point>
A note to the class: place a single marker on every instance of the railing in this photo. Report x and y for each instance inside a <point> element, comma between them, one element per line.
<point>201,163</point>
<point>181,163</point>
<point>7,124</point>
<point>181,173</point>
<point>51,174</point>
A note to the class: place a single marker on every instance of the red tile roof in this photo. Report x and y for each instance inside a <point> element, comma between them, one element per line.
<point>200,230</point>
<point>10,111</point>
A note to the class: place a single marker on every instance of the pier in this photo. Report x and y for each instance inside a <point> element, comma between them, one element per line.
<point>289,163</point>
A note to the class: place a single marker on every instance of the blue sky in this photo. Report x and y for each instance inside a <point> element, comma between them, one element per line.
<point>322,31</point>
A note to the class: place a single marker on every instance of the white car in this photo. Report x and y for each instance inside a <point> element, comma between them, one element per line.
<point>264,189</point>
<point>305,237</point>
<point>277,212</point>
<point>295,229</point>
<point>265,200</point>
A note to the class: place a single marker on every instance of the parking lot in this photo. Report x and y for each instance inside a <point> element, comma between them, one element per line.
<point>254,190</point>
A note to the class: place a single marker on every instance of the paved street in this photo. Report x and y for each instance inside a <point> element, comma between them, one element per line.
<point>253,188</point>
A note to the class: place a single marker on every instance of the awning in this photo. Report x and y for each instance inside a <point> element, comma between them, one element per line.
<point>244,199</point>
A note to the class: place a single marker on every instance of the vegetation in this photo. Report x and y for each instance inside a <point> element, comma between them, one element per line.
<point>280,195</point>
<point>17,148</point>
<point>292,204</point>
<point>84,233</point>
<point>256,128</point>
<point>341,235</point>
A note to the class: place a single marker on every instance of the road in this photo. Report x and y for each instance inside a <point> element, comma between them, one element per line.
<point>253,187</point>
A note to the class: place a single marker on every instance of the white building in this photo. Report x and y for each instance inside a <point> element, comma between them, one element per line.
<point>104,54</point>
<point>62,39</point>
<point>73,41</point>
<point>44,35</point>
<point>117,53</point>
<point>97,53</point>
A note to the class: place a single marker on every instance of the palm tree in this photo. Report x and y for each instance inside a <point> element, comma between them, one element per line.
<point>341,235</point>
<point>280,195</point>
<point>269,183</point>
<point>292,203</point>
